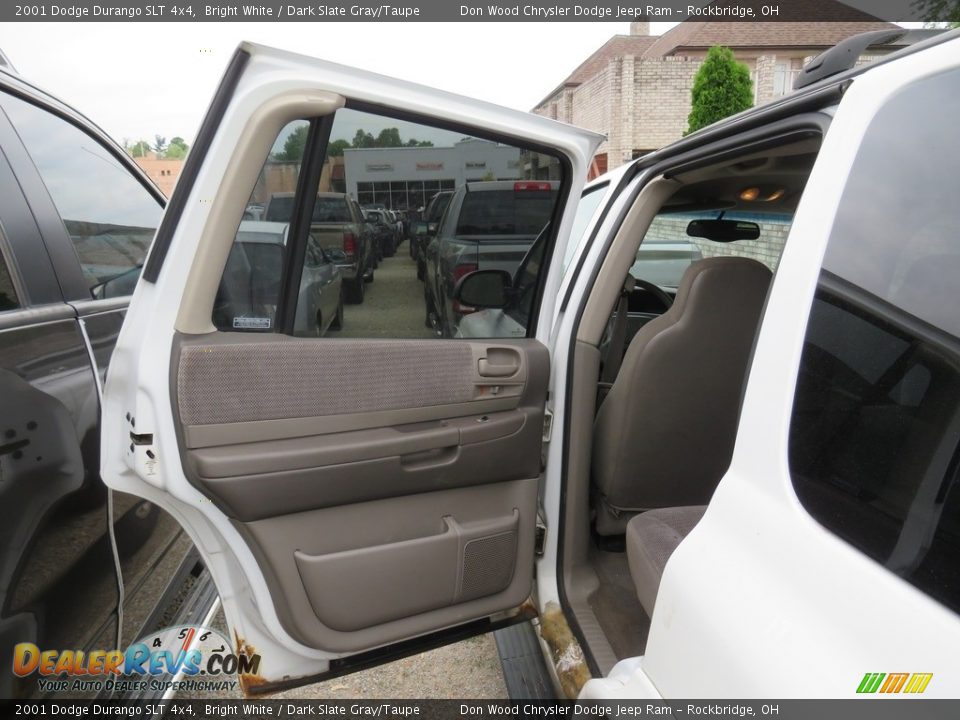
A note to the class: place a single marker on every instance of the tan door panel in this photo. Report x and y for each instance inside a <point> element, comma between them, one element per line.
<point>386,487</point>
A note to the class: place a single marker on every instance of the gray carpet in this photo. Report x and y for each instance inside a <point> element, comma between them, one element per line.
<point>615,603</point>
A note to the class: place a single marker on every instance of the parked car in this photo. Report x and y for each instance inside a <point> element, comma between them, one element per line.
<point>424,230</point>
<point>487,226</point>
<point>384,231</point>
<point>248,295</point>
<point>775,459</point>
<point>339,227</point>
<point>81,567</point>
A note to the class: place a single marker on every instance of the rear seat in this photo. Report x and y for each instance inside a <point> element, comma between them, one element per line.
<point>651,539</point>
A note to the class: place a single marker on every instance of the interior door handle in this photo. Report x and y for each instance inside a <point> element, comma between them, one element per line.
<point>489,369</point>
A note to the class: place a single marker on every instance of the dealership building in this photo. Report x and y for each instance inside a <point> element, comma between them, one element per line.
<point>407,177</point>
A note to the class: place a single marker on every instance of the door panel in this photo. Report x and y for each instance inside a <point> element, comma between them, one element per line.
<point>345,494</point>
<point>440,473</point>
<point>441,558</point>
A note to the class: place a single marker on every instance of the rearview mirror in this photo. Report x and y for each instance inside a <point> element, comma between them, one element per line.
<point>723,231</point>
<point>483,289</point>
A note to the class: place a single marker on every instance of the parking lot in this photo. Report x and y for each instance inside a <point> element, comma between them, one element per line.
<point>393,306</point>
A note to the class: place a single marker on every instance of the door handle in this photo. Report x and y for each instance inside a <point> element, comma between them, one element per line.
<point>497,370</point>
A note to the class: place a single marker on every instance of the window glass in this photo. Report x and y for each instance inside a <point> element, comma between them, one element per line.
<point>8,293</point>
<point>250,287</point>
<point>523,209</point>
<point>589,202</point>
<point>876,418</point>
<point>667,250</point>
<point>110,216</point>
<point>360,277</point>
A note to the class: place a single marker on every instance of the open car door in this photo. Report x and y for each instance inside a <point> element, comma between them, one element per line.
<point>354,499</point>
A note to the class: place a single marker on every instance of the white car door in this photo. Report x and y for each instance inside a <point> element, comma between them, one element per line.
<point>354,499</point>
<point>825,565</point>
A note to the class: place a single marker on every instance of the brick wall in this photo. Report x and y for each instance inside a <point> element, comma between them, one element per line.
<point>591,104</point>
<point>661,100</point>
<point>163,172</point>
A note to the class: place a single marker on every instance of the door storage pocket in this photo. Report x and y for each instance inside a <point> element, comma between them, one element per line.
<point>360,588</point>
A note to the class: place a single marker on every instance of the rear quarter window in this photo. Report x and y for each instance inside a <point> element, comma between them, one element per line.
<point>875,431</point>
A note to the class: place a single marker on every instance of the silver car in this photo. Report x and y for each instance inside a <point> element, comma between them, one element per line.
<point>248,295</point>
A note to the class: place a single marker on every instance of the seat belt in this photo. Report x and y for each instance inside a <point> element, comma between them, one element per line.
<point>618,336</point>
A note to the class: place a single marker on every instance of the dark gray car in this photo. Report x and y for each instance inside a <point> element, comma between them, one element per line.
<point>487,226</point>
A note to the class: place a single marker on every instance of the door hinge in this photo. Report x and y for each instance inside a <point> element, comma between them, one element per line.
<point>540,540</point>
<point>547,424</point>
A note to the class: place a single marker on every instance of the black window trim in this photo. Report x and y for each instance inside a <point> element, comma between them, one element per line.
<point>191,168</point>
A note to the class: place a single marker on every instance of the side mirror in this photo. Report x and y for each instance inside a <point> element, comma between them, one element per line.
<point>432,228</point>
<point>420,228</point>
<point>484,289</point>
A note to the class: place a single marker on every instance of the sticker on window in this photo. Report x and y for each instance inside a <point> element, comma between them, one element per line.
<point>252,323</point>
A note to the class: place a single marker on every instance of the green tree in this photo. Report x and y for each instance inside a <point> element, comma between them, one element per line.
<point>936,12</point>
<point>413,142</point>
<point>139,149</point>
<point>159,144</point>
<point>721,87</point>
<point>177,149</point>
<point>294,146</point>
<point>389,137</point>
<point>363,139</point>
<point>337,147</point>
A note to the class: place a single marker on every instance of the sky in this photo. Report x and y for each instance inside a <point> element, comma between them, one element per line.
<point>137,80</point>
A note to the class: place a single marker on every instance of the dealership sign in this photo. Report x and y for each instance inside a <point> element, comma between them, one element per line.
<point>379,167</point>
<point>430,166</point>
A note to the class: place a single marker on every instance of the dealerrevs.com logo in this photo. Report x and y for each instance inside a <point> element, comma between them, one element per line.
<point>200,657</point>
<point>892,683</point>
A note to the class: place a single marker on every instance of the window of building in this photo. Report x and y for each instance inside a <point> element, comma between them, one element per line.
<point>875,432</point>
<point>784,75</point>
<point>110,216</point>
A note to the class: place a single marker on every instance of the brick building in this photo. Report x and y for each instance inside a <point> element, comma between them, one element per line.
<point>635,88</point>
<point>163,171</point>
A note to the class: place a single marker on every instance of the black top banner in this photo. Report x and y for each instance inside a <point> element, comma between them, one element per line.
<point>483,11</point>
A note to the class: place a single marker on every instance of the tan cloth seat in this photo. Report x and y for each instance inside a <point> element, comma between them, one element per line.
<point>651,539</point>
<point>664,435</point>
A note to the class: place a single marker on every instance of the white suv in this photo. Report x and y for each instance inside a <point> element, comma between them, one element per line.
<point>749,491</point>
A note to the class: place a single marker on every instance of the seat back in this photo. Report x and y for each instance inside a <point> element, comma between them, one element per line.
<point>664,435</point>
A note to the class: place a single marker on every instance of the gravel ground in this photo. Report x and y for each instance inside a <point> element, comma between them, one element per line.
<point>393,307</point>
<point>468,669</point>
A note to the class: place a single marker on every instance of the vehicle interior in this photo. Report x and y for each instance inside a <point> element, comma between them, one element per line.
<point>666,380</point>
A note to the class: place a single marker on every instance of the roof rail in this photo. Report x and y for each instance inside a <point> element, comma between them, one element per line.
<point>844,54</point>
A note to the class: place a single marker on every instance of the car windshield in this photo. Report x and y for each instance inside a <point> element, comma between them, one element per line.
<point>505,212</point>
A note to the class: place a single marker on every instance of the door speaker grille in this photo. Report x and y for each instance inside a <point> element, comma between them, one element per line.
<point>488,564</point>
